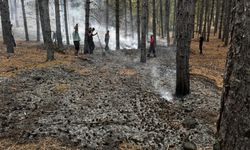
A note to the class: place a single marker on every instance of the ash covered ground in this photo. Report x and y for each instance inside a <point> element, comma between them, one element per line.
<point>110,100</point>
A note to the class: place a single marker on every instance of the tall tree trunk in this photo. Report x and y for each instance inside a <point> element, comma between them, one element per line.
<point>198,15</point>
<point>37,22</point>
<point>167,7</point>
<point>46,28</point>
<point>217,15</point>
<point>206,19</point>
<point>138,24</point>
<point>161,19</point>
<point>221,19</point>
<point>125,14</point>
<point>210,21</point>
<point>87,11</point>
<point>234,122</point>
<point>3,25</point>
<point>58,24</point>
<point>11,7</point>
<point>201,16</point>
<point>66,21</point>
<point>158,16</point>
<point>131,18</point>
<point>184,25</point>
<point>174,22</point>
<point>143,31</point>
<point>25,22</point>
<point>6,25</point>
<point>147,30</point>
<point>194,12</point>
<point>227,22</point>
<point>117,22</point>
<point>16,16</point>
<point>154,21</point>
<point>107,15</point>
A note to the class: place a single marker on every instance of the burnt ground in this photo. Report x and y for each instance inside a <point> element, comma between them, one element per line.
<point>109,100</point>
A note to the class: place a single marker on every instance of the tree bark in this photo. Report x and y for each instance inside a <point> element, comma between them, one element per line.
<point>6,25</point>
<point>147,37</point>
<point>107,15</point>
<point>161,20</point>
<point>218,7</point>
<point>234,122</point>
<point>46,28</point>
<point>154,21</point>
<point>210,21</point>
<point>201,16</point>
<point>25,22</point>
<point>3,24</point>
<point>117,22</point>
<point>37,22</point>
<point>16,16</point>
<point>58,24</point>
<point>143,31</point>
<point>227,22</point>
<point>167,7</point>
<point>66,21</point>
<point>87,11</point>
<point>221,19</point>
<point>206,19</point>
<point>194,12</point>
<point>158,16</point>
<point>174,22</point>
<point>138,24</point>
<point>131,18</point>
<point>125,16</point>
<point>198,16</point>
<point>184,25</point>
<point>11,7</point>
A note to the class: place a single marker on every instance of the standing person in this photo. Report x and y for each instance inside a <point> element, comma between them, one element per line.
<point>201,40</point>
<point>54,39</point>
<point>76,39</point>
<point>152,46</point>
<point>107,37</point>
<point>12,36</point>
<point>91,40</point>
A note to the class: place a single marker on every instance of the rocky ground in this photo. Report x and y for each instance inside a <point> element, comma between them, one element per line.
<point>107,101</point>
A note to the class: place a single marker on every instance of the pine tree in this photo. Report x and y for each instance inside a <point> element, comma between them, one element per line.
<point>46,28</point>
<point>6,25</point>
<point>184,27</point>
<point>234,122</point>
<point>25,21</point>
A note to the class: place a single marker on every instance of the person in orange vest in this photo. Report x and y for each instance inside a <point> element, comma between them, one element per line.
<point>152,46</point>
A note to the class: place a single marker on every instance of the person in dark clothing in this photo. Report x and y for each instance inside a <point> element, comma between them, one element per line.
<point>201,40</point>
<point>76,39</point>
<point>107,37</point>
<point>91,40</point>
<point>12,36</point>
<point>54,39</point>
<point>152,46</point>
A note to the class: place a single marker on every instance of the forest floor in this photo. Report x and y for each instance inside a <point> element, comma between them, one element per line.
<point>107,102</point>
<point>212,63</point>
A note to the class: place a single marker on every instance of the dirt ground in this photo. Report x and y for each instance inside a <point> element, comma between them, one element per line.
<point>107,102</point>
<point>212,63</point>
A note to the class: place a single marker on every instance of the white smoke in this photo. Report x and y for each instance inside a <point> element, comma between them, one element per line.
<point>163,82</point>
<point>75,15</point>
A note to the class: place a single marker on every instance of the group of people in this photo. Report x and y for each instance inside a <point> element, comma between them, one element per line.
<point>90,40</point>
<point>91,45</point>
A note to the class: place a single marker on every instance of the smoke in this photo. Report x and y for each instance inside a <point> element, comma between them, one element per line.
<point>163,82</point>
<point>76,14</point>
